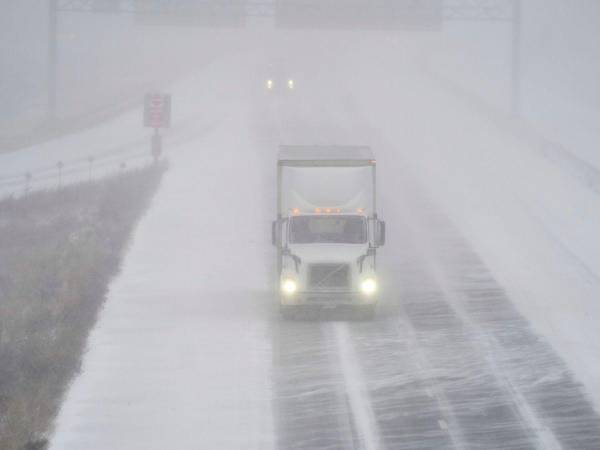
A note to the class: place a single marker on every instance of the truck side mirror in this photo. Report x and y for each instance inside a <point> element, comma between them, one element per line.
<point>275,240</point>
<point>380,233</point>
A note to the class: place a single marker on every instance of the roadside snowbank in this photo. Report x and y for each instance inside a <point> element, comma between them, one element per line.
<point>180,357</point>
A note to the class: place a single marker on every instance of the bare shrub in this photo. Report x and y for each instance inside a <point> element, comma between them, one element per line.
<point>58,252</point>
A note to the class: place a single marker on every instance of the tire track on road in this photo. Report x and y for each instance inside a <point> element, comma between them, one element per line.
<point>309,399</point>
<point>366,429</point>
<point>550,402</point>
<point>407,412</point>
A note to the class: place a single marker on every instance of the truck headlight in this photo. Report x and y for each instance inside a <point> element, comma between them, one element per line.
<point>368,286</point>
<point>289,286</point>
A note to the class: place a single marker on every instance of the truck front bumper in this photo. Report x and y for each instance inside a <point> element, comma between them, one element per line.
<point>328,299</point>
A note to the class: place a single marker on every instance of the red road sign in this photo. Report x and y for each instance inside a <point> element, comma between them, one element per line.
<point>157,110</point>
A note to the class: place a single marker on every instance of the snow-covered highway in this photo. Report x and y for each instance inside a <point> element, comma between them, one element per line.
<point>190,352</point>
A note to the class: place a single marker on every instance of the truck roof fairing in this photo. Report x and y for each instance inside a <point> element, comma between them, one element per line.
<point>325,155</point>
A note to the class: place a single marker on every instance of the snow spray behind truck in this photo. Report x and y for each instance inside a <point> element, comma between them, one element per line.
<point>327,231</point>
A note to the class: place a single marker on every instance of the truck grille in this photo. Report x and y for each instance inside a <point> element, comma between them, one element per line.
<point>329,276</point>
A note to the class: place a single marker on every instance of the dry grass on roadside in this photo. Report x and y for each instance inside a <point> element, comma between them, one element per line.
<point>58,252</point>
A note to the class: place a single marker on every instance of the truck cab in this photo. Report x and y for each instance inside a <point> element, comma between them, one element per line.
<point>327,231</point>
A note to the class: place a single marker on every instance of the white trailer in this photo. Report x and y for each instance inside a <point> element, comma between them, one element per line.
<point>327,231</point>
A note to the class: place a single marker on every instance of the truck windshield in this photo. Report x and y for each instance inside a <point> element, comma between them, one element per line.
<point>328,230</point>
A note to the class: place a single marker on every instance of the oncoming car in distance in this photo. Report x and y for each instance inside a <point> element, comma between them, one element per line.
<point>279,79</point>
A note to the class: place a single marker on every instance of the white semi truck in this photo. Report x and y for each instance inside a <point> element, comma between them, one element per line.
<point>327,231</point>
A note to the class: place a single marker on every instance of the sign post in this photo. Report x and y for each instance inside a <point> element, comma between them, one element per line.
<point>157,115</point>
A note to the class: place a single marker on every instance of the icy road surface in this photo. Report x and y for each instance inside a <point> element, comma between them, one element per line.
<point>189,351</point>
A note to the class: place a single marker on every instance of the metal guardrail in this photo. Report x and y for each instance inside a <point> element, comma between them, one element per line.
<point>76,170</point>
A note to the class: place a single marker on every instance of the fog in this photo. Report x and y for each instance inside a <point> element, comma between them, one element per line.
<point>468,320</point>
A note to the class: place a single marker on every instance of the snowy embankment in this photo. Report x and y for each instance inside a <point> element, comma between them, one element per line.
<point>180,355</point>
<point>111,151</point>
<point>533,219</point>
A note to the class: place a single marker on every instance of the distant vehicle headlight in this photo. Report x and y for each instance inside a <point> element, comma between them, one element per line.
<point>289,286</point>
<point>368,286</point>
<point>269,84</point>
<point>291,84</point>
